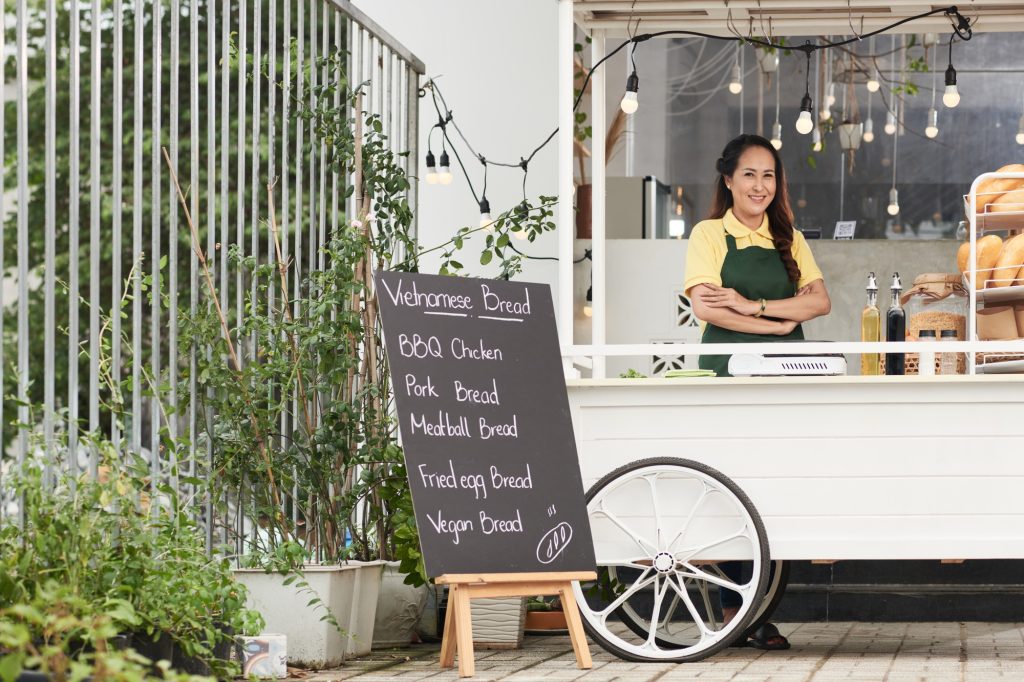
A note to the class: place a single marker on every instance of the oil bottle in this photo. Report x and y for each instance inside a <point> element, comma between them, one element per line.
<point>895,327</point>
<point>870,328</point>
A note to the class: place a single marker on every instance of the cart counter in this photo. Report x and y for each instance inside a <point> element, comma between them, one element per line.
<point>844,467</point>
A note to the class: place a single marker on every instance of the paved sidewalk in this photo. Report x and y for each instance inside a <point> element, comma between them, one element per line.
<point>822,652</point>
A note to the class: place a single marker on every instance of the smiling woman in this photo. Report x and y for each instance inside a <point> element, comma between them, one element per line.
<point>750,275</point>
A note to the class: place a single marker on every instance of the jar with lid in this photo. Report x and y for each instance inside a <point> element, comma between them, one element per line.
<point>948,363</point>
<point>926,366</point>
<point>936,301</point>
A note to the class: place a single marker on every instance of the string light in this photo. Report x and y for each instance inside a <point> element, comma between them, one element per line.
<point>873,85</point>
<point>736,82</point>
<point>432,178</point>
<point>951,97</point>
<point>588,307</point>
<point>444,174</point>
<point>804,123</point>
<point>869,125</point>
<point>1020,130</point>
<point>777,127</point>
<point>894,196</point>
<point>931,131</point>
<point>630,103</point>
<point>825,113</point>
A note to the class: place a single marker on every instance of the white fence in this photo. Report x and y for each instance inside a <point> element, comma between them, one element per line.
<point>92,231</point>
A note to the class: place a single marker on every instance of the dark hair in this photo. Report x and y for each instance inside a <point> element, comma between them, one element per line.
<point>780,214</point>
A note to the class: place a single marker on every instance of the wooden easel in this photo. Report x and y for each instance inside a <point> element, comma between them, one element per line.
<point>458,624</point>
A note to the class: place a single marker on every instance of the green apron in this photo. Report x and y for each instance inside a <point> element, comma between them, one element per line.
<point>755,273</point>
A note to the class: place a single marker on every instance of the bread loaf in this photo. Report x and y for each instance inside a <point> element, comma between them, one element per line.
<point>1011,201</point>
<point>990,190</point>
<point>1008,265</point>
<point>989,248</point>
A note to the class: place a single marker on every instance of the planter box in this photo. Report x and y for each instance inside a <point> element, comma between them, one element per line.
<point>545,620</point>
<point>349,591</point>
<point>498,622</point>
<point>399,608</point>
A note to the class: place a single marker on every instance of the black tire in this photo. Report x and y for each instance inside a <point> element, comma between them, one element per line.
<point>774,592</point>
<point>738,627</point>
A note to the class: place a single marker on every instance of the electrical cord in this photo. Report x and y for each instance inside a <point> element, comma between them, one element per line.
<point>961,29</point>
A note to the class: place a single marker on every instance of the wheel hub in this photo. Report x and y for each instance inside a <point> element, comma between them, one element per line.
<point>664,562</point>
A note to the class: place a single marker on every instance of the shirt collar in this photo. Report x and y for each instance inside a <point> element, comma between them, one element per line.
<point>737,229</point>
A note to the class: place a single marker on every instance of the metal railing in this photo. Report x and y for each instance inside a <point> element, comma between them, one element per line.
<point>96,274</point>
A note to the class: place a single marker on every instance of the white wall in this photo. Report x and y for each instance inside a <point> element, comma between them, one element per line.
<point>496,63</point>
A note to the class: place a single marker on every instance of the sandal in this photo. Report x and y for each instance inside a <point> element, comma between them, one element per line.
<point>768,638</point>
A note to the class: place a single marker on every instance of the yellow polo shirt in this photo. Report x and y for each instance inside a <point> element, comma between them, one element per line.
<point>706,250</point>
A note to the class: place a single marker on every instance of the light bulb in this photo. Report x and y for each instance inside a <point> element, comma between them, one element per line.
<point>894,202</point>
<point>804,123</point>
<point>1020,131</point>
<point>629,103</point>
<point>486,221</point>
<point>890,123</point>
<point>873,85</point>
<point>444,174</point>
<point>951,97</point>
<point>432,178</point>
<point>816,140</point>
<point>824,114</point>
<point>830,98</point>
<point>869,131</point>
<point>777,135</point>
<point>521,234</point>
<point>588,310</point>
<point>736,84</point>
<point>932,129</point>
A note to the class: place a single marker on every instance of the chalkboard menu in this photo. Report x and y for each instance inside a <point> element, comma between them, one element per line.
<point>485,424</point>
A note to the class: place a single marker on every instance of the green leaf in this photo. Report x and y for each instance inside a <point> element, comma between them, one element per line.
<point>485,257</point>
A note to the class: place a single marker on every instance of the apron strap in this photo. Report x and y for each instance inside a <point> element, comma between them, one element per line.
<point>730,242</point>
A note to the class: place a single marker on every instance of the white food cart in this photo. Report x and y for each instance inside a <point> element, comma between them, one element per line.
<point>685,473</point>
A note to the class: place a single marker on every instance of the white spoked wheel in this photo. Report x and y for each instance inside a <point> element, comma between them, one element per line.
<point>661,529</point>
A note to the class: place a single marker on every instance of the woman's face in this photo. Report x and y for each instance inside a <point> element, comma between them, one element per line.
<point>753,183</point>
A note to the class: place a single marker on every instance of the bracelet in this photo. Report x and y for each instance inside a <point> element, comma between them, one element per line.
<point>760,312</point>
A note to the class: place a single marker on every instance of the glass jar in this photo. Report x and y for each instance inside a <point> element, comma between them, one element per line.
<point>936,301</point>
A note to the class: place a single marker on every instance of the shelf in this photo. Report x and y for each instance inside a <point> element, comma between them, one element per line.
<point>1001,295</point>
<point>996,221</point>
<point>1008,367</point>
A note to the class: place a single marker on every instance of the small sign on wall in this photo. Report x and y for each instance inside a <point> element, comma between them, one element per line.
<point>845,229</point>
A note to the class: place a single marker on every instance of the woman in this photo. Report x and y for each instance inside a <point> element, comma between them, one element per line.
<point>751,278</point>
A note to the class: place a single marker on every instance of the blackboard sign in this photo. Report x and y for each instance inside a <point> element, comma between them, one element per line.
<point>485,424</point>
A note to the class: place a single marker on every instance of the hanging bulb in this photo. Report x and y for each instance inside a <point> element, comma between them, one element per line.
<point>894,202</point>
<point>777,135</point>
<point>830,98</point>
<point>736,83</point>
<point>485,215</point>
<point>588,308</point>
<point>890,123</point>
<point>816,140</point>
<point>1020,131</point>
<point>629,103</point>
<point>869,131</point>
<point>932,129</point>
<point>804,124</point>
<point>444,174</point>
<point>432,178</point>
<point>873,85</point>
<point>951,97</point>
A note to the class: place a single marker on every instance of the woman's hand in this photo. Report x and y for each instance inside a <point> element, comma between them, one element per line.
<point>786,326</point>
<point>720,297</point>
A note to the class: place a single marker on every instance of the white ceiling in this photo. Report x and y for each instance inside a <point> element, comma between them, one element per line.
<point>790,17</point>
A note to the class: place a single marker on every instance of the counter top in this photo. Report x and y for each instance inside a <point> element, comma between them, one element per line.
<point>911,380</point>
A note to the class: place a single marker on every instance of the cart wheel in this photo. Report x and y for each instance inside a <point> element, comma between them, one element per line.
<point>778,576</point>
<point>660,526</point>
